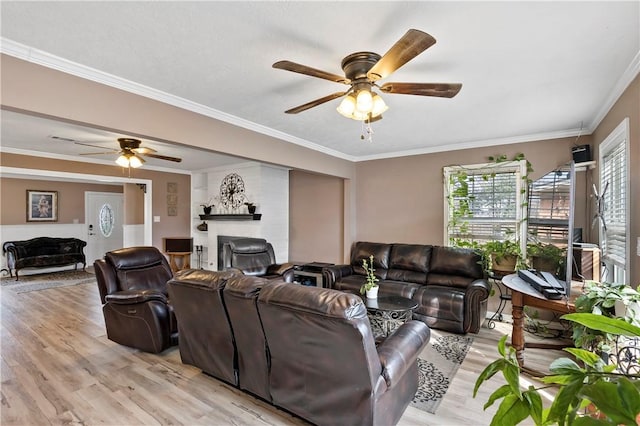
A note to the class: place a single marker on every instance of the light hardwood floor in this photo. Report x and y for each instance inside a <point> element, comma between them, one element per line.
<point>58,367</point>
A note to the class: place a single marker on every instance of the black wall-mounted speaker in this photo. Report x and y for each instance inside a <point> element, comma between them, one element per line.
<point>581,153</point>
<point>177,245</point>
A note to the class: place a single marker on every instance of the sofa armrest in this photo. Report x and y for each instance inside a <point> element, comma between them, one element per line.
<point>400,350</point>
<point>335,273</point>
<point>279,269</point>
<point>475,305</point>
<point>130,297</point>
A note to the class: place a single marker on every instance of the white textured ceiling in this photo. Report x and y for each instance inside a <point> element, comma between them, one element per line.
<point>529,70</point>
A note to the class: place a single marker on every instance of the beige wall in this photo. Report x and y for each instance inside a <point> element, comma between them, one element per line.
<point>628,105</point>
<point>315,217</point>
<point>167,227</point>
<point>13,198</point>
<point>402,199</point>
<point>134,204</point>
<point>384,200</point>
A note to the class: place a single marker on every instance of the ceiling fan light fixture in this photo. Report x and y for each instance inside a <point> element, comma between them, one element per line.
<point>347,106</point>
<point>135,161</point>
<point>379,106</point>
<point>122,161</point>
<point>364,101</point>
<point>359,116</point>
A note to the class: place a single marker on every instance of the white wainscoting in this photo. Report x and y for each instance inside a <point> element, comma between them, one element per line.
<point>133,235</point>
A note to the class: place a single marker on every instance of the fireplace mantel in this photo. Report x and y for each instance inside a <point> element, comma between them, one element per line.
<point>255,216</point>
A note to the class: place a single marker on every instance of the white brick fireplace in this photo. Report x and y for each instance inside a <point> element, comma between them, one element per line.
<point>266,186</point>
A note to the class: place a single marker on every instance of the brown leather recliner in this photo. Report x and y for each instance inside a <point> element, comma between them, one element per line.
<point>133,289</point>
<point>206,337</point>
<point>240,296</point>
<point>255,256</point>
<point>325,366</point>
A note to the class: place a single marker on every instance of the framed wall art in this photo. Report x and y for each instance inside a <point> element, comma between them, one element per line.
<point>42,206</point>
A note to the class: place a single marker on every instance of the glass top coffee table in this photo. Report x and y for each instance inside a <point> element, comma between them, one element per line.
<point>387,313</point>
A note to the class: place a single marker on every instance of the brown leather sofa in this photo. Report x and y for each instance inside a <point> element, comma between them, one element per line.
<point>307,350</point>
<point>133,289</point>
<point>255,256</point>
<point>448,283</point>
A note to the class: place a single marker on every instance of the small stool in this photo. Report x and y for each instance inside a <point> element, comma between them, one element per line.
<point>184,261</point>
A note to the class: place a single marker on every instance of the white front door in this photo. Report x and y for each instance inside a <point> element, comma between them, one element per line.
<point>103,221</point>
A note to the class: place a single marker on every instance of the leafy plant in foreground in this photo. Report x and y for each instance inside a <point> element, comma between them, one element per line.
<point>587,382</point>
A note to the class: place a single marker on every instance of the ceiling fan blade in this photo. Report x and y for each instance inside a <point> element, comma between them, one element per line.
<point>442,90</point>
<point>303,69</point>
<point>316,102</point>
<point>144,150</point>
<point>163,157</point>
<point>413,43</point>
<point>95,146</point>
<point>98,153</point>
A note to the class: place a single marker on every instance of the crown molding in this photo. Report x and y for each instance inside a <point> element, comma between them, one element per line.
<point>627,77</point>
<point>48,60</point>
<point>478,144</point>
<point>45,59</point>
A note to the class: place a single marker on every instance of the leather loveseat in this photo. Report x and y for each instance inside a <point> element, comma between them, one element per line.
<point>44,252</point>
<point>307,350</point>
<point>448,283</point>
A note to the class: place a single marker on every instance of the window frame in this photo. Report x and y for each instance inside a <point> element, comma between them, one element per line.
<point>620,135</point>
<point>519,168</point>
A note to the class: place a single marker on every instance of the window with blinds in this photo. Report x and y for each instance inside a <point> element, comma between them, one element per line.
<point>614,191</point>
<point>550,207</point>
<point>484,202</point>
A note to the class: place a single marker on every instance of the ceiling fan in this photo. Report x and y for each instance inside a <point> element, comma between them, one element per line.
<point>363,69</point>
<point>130,152</point>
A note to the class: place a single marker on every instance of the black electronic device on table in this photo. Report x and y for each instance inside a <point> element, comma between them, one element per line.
<point>544,282</point>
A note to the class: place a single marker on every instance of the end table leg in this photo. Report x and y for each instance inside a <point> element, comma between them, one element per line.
<point>517,334</point>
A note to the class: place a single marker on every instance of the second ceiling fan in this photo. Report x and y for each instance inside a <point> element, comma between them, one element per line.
<point>363,69</point>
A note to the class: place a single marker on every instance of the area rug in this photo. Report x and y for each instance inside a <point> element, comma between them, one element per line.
<point>37,282</point>
<point>437,365</point>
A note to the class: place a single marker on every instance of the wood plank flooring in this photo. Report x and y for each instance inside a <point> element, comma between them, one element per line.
<point>58,367</point>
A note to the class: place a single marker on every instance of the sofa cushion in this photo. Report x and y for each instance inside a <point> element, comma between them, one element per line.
<point>456,261</point>
<point>442,303</point>
<point>380,251</point>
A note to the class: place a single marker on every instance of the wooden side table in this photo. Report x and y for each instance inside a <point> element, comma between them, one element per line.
<point>522,294</point>
<point>181,257</point>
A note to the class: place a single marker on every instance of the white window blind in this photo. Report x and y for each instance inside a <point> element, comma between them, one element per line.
<point>485,202</point>
<point>549,207</point>
<point>614,190</point>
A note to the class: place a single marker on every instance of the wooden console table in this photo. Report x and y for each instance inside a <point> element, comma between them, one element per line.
<point>522,294</point>
<point>184,257</point>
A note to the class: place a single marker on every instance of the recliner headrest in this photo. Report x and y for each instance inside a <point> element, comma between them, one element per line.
<point>249,245</point>
<point>134,257</point>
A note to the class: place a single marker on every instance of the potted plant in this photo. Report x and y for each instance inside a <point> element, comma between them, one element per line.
<point>501,257</point>
<point>590,392</point>
<point>370,287</point>
<point>602,299</point>
<point>250,207</point>
<point>545,257</point>
<point>206,207</point>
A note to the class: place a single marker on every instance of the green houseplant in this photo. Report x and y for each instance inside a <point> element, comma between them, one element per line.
<point>613,397</point>
<point>502,257</point>
<point>546,257</point>
<point>370,287</point>
<point>602,298</point>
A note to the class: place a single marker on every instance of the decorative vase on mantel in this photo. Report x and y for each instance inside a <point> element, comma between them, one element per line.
<point>207,209</point>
